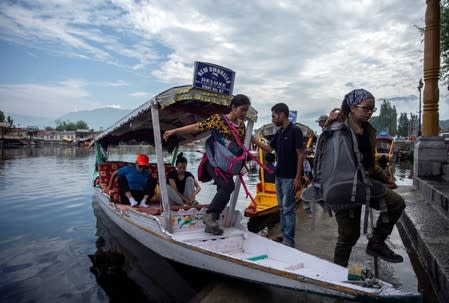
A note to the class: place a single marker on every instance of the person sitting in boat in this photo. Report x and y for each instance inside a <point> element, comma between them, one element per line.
<point>183,187</point>
<point>136,185</point>
<point>268,177</point>
<point>216,123</point>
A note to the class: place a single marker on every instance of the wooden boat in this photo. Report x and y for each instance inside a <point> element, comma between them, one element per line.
<point>264,211</point>
<point>178,234</point>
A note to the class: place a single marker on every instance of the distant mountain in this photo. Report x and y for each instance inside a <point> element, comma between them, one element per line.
<point>97,119</point>
<point>24,121</point>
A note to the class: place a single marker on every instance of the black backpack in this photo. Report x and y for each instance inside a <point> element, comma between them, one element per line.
<point>339,180</point>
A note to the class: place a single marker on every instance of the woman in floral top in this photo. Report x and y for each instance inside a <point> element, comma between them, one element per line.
<point>225,186</point>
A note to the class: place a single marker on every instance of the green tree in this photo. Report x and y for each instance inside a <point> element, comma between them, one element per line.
<point>2,117</point>
<point>67,125</point>
<point>403,127</point>
<point>444,40</point>
<point>444,46</point>
<point>387,119</point>
<point>49,128</point>
<point>10,120</point>
<point>413,124</point>
<point>81,125</point>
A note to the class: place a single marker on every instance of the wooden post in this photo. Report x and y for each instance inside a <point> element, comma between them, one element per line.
<point>431,68</point>
<point>160,165</point>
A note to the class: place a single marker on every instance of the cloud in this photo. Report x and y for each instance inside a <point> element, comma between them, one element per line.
<point>139,95</point>
<point>308,54</point>
<point>42,100</point>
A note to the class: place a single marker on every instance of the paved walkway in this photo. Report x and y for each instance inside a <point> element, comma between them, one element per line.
<point>319,239</point>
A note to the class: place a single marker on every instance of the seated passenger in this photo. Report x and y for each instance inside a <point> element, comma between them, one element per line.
<point>269,162</point>
<point>182,187</point>
<point>136,186</point>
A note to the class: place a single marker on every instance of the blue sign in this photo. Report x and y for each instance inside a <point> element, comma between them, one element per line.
<point>292,116</point>
<point>213,78</point>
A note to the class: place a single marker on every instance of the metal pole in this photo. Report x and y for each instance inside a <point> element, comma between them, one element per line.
<point>160,164</point>
<point>420,85</point>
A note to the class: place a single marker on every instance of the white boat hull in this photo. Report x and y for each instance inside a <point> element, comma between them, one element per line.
<point>241,254</point>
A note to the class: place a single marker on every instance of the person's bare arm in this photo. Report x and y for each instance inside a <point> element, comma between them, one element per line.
<point>261,145</point>
<point>299,168</point>
<point>188,129</point>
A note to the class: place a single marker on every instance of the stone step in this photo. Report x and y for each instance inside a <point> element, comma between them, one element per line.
<point>445,172</point>
<point>436,191</point>
<point>427,230</point>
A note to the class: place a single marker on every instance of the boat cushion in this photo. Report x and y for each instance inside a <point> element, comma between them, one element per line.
<point>105,171</point>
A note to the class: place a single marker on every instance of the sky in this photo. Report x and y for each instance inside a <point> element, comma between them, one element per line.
<point>64,56</point>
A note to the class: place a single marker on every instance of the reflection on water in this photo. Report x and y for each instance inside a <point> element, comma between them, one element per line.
<point>48,228</point>
<point>116,251</point>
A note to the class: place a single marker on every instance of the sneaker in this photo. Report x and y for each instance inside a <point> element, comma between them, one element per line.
<point>144,204</point>
<point>133,202</point>
<point>277,239</point>
<point>381,250</point>
<point>195,202</point>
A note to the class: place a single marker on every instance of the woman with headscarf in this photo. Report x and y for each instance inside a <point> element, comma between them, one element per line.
<point>356,109</point>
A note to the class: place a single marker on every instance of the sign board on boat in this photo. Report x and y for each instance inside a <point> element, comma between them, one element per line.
<point>213,78</point>
<point>292,116</point>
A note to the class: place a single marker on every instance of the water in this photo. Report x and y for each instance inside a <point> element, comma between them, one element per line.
<point>48,230</point>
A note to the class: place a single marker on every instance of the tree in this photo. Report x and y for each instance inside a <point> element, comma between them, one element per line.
<point>387,119</point>
<point>444,41</point>
<point>403,127</point>
<point>444,46</point>
<point>2,117</point>
<point>81,125</point>
<point>10,121</point>
<point>67,125</point>
<point>413,124</point>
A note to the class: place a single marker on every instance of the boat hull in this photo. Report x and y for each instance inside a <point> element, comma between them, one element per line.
<point>232,254</point>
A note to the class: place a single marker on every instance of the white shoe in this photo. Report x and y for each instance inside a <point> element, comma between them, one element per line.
<point>133,202</point>
<point>143,204</point>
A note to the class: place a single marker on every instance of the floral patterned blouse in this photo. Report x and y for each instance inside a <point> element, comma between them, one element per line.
<point>216,122</point>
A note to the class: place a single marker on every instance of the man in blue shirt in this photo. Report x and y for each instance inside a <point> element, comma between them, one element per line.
<point>135,182</point>
<point>288,143</point>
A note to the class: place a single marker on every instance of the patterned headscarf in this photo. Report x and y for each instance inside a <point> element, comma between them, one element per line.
<point>356,96</point>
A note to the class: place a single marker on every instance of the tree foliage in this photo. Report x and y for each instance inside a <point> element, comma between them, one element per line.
<point>8,119</point>
<point>67,125</point>
<point>444,40</point>
<point>387,119</point>
<point>444,46</point>
<point>403,125</point>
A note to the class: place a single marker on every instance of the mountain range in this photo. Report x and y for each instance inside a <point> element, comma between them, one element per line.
<point>101,118</point>
<point>97,119</point>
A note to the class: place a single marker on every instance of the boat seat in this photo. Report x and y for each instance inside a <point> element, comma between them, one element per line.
<point>200,235</point>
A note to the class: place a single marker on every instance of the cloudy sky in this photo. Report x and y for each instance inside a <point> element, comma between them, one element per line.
<point>63,56</point>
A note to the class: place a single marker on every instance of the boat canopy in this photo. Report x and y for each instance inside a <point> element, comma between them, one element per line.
<point>178,106</point>
<point>268,130</point>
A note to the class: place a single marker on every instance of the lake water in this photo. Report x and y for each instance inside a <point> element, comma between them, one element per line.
<point>48,229</point>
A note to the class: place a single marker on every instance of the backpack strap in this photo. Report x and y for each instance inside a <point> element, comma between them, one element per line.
<point>237,139</point>
<point>365,181</point>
